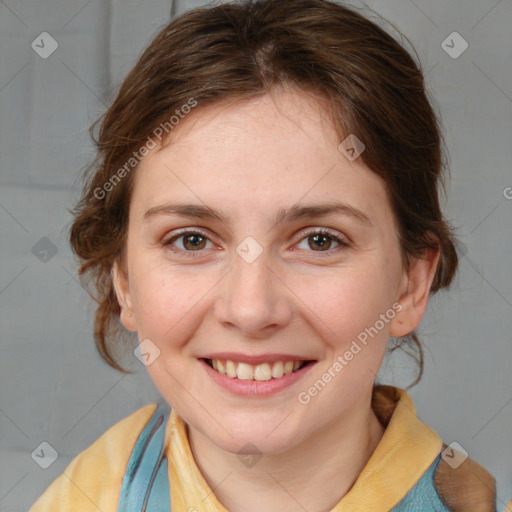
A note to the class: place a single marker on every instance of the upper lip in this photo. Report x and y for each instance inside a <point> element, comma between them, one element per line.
<point>255,359</point>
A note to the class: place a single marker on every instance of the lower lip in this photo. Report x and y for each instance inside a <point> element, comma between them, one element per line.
<point>255,387</point>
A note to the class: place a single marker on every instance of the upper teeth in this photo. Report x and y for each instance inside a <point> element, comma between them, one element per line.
<point>263,371</point>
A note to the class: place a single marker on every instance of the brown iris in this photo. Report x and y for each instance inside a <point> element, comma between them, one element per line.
<point>196,241</point>
<point>317,238</point>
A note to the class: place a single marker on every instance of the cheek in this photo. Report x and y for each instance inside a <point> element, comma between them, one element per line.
<point>168,303</point>
<point>350,300</point>
<point>160,299</point>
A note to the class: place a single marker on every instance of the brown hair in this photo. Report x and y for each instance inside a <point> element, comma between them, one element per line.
<point>370,84</point>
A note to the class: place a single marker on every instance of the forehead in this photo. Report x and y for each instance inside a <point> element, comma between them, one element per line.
<point>257,155</point>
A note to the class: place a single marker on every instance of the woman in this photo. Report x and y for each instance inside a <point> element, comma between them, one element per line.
<point>264,214</point>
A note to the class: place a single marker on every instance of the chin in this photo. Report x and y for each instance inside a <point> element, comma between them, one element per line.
<point>254,439</point>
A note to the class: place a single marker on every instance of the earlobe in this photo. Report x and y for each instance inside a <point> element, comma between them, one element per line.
<point>414,292</point>
<point>122,291</point>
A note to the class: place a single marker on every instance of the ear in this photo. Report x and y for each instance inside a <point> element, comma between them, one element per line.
<point>122,290</point>
<point>414,291</point>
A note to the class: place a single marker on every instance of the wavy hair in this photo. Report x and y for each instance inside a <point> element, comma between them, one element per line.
<point>371,85</point>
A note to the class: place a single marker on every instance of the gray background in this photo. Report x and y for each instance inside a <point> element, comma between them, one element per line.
<point>55,388</point>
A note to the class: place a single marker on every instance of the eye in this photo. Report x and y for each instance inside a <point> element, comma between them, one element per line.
<point>191,241</point>
<point>320,240</point>
<point>194,241</point>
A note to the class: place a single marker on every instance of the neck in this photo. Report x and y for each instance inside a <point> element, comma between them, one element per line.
<point>314,475</point>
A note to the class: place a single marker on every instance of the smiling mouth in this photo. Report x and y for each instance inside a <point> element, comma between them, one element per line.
<point>259,372</point>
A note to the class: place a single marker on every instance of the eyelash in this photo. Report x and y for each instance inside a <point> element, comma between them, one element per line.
<point>316,231</point>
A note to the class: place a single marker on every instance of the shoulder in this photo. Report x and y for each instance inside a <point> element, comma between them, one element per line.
<point>92,481</point>
<point>456,483</point>
<point>467,487</point>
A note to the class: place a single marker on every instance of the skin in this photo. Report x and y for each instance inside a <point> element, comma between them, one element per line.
<point>247,160</point>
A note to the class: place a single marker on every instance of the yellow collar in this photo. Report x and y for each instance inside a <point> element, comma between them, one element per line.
<point>407,448</point>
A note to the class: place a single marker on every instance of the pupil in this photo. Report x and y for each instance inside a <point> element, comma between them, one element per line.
<point>317,239</point>
<point>194,240</point>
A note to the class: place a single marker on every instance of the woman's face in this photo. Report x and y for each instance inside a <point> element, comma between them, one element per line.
<point>242,274</point>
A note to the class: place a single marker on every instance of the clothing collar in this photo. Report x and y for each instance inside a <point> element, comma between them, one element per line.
<point>405,451</point>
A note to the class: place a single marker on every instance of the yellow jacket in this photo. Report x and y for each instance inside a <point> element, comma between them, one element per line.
<point>93,480</point>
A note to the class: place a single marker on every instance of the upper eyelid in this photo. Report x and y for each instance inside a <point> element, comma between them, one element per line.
<point>185,231</point>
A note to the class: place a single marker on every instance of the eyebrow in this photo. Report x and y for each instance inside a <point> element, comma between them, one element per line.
<point>295,212</point>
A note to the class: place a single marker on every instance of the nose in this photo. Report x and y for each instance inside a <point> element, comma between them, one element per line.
<point>253,299</point>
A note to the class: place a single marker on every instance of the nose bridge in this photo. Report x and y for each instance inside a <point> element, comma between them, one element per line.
<point>252,298</point>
